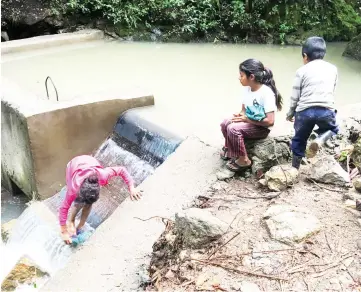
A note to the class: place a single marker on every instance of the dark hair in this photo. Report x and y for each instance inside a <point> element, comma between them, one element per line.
<point>314,48</point>
<point>262,75</point>
<point>89,190</point>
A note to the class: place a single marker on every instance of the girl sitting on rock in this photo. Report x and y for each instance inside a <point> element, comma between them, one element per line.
<point>260,101</point>
<point>84,176</point>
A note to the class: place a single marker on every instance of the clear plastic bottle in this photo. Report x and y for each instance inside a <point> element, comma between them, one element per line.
<point>80,238</point>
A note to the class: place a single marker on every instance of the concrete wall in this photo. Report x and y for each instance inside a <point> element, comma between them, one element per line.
<point>39,137</point>
<point>16,158</point>
<point>48,41</point>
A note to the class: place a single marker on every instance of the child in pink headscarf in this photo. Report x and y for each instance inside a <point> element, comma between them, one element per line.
<point>84,176</point>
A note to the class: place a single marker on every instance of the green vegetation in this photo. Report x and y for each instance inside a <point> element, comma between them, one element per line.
<point>280,21</point>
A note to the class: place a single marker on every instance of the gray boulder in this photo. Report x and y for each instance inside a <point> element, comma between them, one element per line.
<point>198,227</point>
<point>326,169</point>
<point>290,224</point>
<point>353,49</point>
<point>268,152</point>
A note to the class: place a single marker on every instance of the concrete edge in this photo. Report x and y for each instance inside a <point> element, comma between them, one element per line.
<point>48,41</point>
<point>13,94</point>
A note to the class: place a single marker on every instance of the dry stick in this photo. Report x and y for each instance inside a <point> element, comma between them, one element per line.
<point>328,243</point>
<point>230,225</point>
<point>307,285</point>
<point>321,273</point>
<point>240,271</point>
<point>322,187</point>
<point>268,251</point>
<point>216,250</point>
<point>153,217</point>
<point>262,197</point>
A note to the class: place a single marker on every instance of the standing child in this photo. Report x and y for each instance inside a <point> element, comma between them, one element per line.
<point>260,101</point>
<point>312,100</point>
<point>84,176</point>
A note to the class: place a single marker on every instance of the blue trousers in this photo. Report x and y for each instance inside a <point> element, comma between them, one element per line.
<point>306,120</point>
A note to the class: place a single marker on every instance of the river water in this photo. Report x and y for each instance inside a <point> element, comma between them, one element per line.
<point>195,85</point>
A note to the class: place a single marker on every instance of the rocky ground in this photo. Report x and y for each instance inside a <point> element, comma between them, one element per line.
<point>314,246</point>
<point>287,231</point>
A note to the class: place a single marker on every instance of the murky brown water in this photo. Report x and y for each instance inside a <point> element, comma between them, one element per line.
<point>195,85</point>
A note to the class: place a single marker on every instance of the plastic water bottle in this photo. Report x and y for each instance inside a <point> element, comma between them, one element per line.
<point>80,238</point>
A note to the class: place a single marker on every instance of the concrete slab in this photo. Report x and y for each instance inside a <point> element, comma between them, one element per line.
<point>48,41</point>
<point>119,250</point>
<point>38,135</point>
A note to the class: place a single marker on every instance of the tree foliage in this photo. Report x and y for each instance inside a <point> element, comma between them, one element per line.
<point>233,20</point>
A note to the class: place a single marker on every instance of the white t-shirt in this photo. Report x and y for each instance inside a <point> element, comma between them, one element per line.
<point>264,96</point>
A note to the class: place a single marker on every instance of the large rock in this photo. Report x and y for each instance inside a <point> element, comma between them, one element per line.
<point>268,152</point>
<point>357,184</point>
<point>25,272</point>
<point>198,227</point>
<point>290,224</point>
<point>25,12</point>
<point>353,49</point>
<point>327,170</point>
<point>280,177</point>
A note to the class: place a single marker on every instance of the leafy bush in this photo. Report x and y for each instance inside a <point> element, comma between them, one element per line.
<point>232,19</point>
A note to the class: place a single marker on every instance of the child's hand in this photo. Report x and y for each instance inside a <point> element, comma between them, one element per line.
<point>236,115</point>
<point>240,118</point>
<point>135,194</point>
<point>71,229</point>
<point>66,237</point>
<point>290,119</point>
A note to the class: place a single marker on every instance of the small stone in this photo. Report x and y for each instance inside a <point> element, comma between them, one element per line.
<point>249,287</point>
<point>280,177</point>
<point>357,184</point>
<point>247,261</point>
<point>198,227</point>
<point>224,174</point>
<point>262,182</point>
<point>184,254</point>
<point>170,275</point>
<point>206,281</point>
<point>350,204</point>
<point>290,224</point>
<point>327,170</point>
